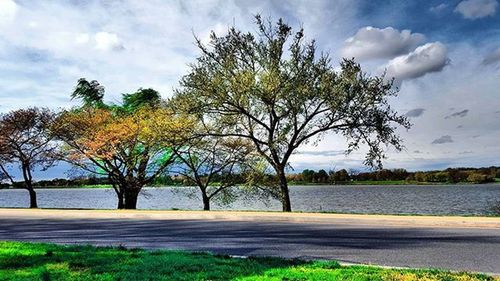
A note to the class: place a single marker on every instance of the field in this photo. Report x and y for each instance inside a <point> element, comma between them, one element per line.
<point>29,261</point>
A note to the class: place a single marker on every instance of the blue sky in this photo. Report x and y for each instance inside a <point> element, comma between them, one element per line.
<point>445,56</point>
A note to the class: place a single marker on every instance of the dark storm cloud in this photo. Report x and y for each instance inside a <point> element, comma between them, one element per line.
<point>462,113</point>
<point>443,139</point>
<point>415,112</point>
<point>492,57</point>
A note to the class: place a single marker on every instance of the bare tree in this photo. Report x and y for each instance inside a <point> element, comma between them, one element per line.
<point>26,141</point>
<point>215,166</point>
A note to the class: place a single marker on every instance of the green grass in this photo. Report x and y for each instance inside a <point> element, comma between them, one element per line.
<point>79,186</point>
<point>28,261</point>
<point>398,182</point>
<point>387,182</point>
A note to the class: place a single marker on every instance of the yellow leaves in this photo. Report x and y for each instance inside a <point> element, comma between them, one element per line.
<point>409,276</point>
<point>242,82</point>
<point>164,126</point>
<point>111,137</point>
<point>103,134</point>
<point>270,81</point>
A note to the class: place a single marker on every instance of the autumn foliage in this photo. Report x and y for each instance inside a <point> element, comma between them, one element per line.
<point>131,149</point>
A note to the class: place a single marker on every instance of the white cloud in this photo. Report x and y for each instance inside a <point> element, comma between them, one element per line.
<point>82,38</point>
<point>371,42</point>
<point>107,41</point>
<point>8,10</point>
<point>439,8</point>
<point>156,40</point>
<point>219,29</point>
<point>476,9</point>
<point>431,57</point>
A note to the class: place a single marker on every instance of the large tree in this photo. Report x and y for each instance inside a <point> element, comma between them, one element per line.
<point>25,140</point>
<point>274,90</point>
<point>131,143</point>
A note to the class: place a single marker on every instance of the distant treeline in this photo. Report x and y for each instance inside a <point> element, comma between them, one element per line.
<point>165,180</point>
<point>450,175</point>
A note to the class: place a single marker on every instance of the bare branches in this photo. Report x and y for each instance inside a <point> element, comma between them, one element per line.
<point>26,140</point>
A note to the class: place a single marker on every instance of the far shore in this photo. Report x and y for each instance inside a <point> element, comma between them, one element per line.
<point>374,183</point>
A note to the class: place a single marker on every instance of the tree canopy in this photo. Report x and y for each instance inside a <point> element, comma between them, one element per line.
<point>26,140</point>
<point>273,89</point>
<point>90,92</point>
<point>131,143</point>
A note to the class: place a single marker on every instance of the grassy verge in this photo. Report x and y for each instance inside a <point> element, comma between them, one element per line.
<point>387,182</point>
<point>80,186</point>
<point>393,182</point>
<point>28,261</point>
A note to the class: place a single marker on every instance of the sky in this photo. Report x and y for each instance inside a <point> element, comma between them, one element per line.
<point>444,56</point>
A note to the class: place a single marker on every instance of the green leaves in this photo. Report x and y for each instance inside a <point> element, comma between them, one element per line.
<point>166,156</point>
<point>274,90</point>
<point>91,92</point>
<point>141,97</point>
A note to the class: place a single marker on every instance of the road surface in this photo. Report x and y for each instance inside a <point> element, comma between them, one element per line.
<point>454,243</point>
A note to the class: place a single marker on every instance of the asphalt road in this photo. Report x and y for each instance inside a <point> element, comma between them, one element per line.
<point>352,240</point>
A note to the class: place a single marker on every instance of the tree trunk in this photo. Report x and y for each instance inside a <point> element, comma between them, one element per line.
<point>33,202</point>
<point>285,196</point>
<point>121,204</point>
<point>28,184</point>
<point>206,202</point>
<point>119,194</point>
<point>131,195</point>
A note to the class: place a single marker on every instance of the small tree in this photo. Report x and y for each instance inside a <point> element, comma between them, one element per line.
<point>340,176</point>
<point>272,89</point>
<point>215,166</point>
<point>308,175</point>
<point>321,176</point>
<point>25,140</point>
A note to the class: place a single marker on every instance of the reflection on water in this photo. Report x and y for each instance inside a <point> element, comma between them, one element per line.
<point>410,199</point>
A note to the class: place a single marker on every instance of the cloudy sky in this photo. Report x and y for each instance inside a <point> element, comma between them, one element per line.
<point>445,56</point>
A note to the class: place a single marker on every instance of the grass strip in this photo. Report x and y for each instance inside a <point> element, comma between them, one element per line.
<point>34,261</point>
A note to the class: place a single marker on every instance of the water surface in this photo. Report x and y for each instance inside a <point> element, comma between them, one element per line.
<point>381,199</point>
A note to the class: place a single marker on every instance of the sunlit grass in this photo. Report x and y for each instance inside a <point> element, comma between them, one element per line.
<point>28,261</point>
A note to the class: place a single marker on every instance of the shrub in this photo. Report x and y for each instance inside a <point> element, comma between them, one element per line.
<point>479,178</point>
<point>440,177</point>
<point>420,176</point>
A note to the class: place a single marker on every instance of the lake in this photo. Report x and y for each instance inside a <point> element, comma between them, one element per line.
<point>383,199</point>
